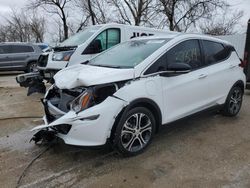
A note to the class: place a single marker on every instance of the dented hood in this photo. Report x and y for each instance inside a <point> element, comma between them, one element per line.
<point>87,75</point>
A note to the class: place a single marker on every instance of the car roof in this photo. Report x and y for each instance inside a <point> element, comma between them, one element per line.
<point>182,36</point>
<point>15,43</point>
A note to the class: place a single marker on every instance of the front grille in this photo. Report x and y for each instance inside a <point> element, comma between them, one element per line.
<point>43,60</point>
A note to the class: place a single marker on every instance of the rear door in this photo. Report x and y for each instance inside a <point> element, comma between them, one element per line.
<point>4,56</point>
<point>220,62</point>
<point>19,54</point>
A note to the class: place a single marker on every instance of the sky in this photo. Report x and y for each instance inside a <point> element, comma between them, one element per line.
<point>7,5</point>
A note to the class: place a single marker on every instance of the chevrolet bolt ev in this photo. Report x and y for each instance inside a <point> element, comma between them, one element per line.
<point>125,94</point>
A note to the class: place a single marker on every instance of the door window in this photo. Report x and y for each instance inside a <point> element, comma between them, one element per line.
<point>214,52</point>
<point>103,41</point>
<point>5,49</point>
<point>185,52</point>
<point>21,49</point>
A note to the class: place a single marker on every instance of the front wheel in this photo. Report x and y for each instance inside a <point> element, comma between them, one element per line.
<point>233,102</point>
<point>135,131</point>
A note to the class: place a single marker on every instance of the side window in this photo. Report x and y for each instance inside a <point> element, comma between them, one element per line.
<point>5,49</point>
<point>113,37</point>
<point>21,49</point>
<point>185,52</point>
<point>214,52</point>
<point>103,41</point>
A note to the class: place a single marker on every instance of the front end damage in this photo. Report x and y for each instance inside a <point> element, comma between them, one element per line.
<point>82,116</point>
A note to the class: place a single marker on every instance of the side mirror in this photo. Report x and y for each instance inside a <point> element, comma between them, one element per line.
<point>176,69</point>
<point>179,67</point>
<point>94,47</point>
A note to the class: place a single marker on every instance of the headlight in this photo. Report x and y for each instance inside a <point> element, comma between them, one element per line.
<point>62,56</point>
<point>82,102</point>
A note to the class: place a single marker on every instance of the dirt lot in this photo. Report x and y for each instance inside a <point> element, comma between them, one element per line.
<point>205,151</point>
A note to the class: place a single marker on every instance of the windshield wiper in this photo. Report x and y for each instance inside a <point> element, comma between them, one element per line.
<point>85,62</point>
<point>109,66</point>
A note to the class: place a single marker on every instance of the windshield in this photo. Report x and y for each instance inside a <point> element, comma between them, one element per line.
<point>80,37</point>
<point>128,54</point>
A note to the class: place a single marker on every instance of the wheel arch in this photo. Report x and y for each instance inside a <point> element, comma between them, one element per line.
<point>141,102</point>
<point>240,84</point>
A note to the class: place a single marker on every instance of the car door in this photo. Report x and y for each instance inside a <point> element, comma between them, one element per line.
<point>19,54</point>
<point>4,56</point>
<point>219,70</point>
<point>183,94</point>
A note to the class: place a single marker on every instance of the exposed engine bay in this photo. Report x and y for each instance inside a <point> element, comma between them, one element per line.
<point>58,102</point>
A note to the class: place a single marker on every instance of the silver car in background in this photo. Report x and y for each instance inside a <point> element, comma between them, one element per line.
<point>18,56</point>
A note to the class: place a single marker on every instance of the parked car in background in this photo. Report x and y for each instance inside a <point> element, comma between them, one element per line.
<point>126,93</point>
<point>44,47</point>
<point>18,56</point>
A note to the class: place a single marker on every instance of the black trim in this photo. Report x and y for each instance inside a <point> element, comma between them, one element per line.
<point>247,54</point>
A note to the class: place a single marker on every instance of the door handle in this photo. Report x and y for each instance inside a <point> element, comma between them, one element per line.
<point>202,76</point>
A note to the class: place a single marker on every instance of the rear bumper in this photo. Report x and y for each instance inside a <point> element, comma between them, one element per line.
<point>91,127</point>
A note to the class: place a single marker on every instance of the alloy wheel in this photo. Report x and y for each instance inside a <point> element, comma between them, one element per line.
<point>136,132</point>
<point>235,101</point>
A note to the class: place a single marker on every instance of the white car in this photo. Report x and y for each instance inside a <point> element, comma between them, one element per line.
<point>126,93</point>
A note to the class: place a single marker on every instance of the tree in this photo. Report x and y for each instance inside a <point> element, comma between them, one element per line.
<point>180,14</point>
<point>57,7</point>
<point>22,27</point>
<point>223,24</point>
<point>95,11</point>
<point>133,12</point>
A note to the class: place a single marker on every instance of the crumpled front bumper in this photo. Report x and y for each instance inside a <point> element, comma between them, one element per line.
<point>91,127</point>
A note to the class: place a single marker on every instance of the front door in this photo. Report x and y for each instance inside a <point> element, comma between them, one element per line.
<point>185,94</point>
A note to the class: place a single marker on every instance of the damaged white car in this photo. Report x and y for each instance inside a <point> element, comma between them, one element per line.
<point>124,94</point>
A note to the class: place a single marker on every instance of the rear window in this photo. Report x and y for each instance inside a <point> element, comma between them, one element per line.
<point>21,49</point>
<point>214,52</point>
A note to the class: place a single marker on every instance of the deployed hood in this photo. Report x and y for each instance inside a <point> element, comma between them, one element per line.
<point>87,75</point>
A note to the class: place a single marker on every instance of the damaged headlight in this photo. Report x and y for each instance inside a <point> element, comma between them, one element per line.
<point>93,96</point>
<point>82,102</point>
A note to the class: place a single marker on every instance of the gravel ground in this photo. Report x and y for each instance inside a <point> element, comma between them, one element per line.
<point>208,150</point>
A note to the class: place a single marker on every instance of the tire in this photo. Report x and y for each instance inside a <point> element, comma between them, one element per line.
<point>233,102</point>
<point>31,67</point>
<point>134,131</point>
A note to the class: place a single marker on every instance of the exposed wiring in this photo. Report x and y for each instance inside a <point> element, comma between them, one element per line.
<point>30,163</point>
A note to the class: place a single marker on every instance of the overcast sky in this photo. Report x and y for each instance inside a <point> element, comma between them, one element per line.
<point>7,5</point>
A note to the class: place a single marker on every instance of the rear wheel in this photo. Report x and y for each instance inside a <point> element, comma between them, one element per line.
<point>233,103</point>
<point>134,131</point>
